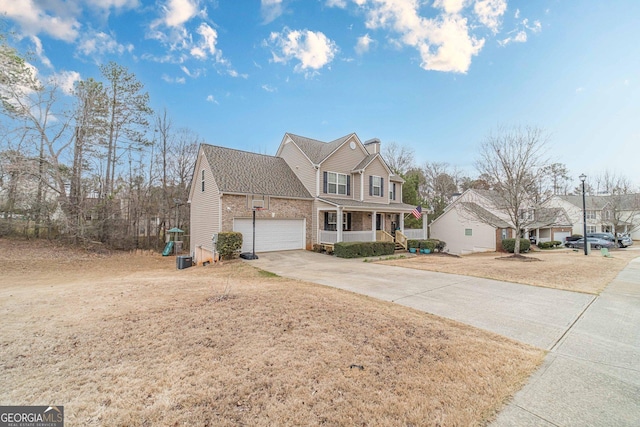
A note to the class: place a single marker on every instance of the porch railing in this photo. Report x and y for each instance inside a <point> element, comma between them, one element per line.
<point>414,233</point>
<point>347,236</point>
<point>383,236</point>
<point>401,239</point>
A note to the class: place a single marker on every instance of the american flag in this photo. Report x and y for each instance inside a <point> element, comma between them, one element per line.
<point>417,212</point>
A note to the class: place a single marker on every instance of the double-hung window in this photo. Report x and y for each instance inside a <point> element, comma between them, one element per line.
<point>337,183</point>
<point>591,214</point>
<point>376,186</point>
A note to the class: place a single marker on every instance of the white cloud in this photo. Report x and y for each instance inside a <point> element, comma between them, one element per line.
<point>337,3</point>
<point>517,14</point>
<point>177,12</point>
<point>207,44</point>
<point>363,45</point>
<point>271,10</point>
<point>450,6</point>
<point>66,80</point>
<point>444,43</point>
<point>40,51</point>
<point>211,99</point>
<point>313,50</point>
<point>269,88</point>
<point>489,12</point>
<point>519,34</point>
<point>99,43</point>
<point>34,19</point>
<point>179,80</point>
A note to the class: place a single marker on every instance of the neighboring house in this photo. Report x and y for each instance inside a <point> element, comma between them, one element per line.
<point>605,214</point>
<point>472,223</point>
<point>313,192</point>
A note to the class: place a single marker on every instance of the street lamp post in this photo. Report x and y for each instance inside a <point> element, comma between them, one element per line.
<point>583,177</point>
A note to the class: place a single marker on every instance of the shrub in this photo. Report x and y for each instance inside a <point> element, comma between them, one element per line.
<point>413,243</point>
<point>363,249</point>
<point>439,244</point>
<point>555,243</point>
<point>545,245</point>
<point>509,245</point>
<point>229,243</point>
<point>428,244</point>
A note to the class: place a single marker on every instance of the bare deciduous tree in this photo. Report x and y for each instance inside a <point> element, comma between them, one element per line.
<point>399,158</point>
<point>513,159</point>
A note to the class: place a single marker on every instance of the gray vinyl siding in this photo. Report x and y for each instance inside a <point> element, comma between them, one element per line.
<point>300,165</point>
<point>376,168</point>
<point>205,207</point>
<point>398,192</point>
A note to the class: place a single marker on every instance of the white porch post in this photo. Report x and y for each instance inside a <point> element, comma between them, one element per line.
<point>425,231</point>
<point>373,225</point>
<point>339,224</point>
<point>401,225</point>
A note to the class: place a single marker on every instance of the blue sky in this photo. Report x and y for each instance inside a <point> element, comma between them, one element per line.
<point>433,75</point>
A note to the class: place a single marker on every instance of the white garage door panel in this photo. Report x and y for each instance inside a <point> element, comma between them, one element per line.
<point>561,235</point>
<point>271,234</point>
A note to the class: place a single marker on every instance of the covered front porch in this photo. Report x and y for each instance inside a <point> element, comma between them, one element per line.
<point>352,221</point>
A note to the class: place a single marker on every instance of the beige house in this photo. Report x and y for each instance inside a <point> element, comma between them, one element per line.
<point>605,214</point>
<point>312,192</point>
<point>474,223</point>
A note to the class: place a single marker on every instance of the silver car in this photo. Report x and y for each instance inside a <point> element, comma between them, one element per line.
<point>623,241</point>
<point>594,242</point>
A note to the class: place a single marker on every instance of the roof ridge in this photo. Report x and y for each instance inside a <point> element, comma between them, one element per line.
<point>240,151</point>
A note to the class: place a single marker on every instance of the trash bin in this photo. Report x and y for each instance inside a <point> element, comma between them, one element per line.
<point>183,261</point>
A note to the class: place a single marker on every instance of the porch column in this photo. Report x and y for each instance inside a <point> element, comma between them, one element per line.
<point>425,231</point>
<point>339,224</point>
<point>401,225</point>
<point>373,225</point>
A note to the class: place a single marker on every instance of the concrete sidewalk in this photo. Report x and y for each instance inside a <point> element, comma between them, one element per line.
<point>591,375</point>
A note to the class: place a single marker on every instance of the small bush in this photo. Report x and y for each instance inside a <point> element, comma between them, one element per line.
<point>229,243</point>
<point>413,243</point>
<point>555,243</point>
<point>545,245</point>
<point>363,249</point>
<point>509,245</point>
<point>428,244</point>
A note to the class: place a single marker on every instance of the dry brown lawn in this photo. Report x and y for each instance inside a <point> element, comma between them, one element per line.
<point>558,268</point>
<point>128,340</point>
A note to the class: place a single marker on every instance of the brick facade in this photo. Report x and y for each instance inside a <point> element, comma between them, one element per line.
<point>238,207</point>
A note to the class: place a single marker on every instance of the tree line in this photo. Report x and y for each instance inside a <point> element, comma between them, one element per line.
<point>94,163</point>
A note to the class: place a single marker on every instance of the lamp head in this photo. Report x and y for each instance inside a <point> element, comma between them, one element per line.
<point>582,177</point>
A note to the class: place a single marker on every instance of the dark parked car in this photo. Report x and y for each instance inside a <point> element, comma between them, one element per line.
<point>594,242</point>
<point>623,241</point>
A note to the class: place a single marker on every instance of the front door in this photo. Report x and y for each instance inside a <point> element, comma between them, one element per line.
<point>379,224</point>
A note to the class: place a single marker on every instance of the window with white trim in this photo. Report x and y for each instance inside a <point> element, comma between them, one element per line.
<point>591,214</point>
<point>336,183</point>
<point>591,229</point>
<point>376,185</point>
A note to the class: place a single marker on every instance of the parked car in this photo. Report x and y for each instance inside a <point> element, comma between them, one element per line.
<point>623,241</point>
<point>594,242</point>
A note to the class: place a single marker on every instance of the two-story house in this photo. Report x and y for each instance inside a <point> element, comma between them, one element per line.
<point>310,192</point>
<point>618,213</point>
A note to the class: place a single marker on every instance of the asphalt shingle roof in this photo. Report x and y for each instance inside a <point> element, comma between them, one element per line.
<point>316,150</point>
<point>348,203</point>
<point>242,172</point>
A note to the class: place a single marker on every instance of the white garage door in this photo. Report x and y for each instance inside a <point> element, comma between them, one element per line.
<point>271,234</point>
<point>561,235</point>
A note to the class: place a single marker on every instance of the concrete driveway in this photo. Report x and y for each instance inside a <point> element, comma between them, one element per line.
<point>591,375</point>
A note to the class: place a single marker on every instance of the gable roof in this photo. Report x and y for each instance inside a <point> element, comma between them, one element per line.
<point>316,150</point>
<point>242,172</point>
<point>629,202</point>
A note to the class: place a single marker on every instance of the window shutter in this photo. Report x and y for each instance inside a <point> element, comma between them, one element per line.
<point>324,184</point>
<point>381,187</point>
<point>348,185</point>
<point>371,185</point>
<point>394,191</point>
